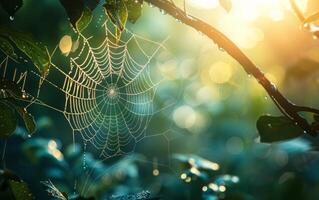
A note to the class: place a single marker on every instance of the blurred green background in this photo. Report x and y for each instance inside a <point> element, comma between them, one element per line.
<point>208,144</point>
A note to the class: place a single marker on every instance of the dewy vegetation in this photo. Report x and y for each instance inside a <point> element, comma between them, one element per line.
<point>291,124</point>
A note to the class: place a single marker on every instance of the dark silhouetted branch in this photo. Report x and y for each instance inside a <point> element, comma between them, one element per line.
<point>285,106</point>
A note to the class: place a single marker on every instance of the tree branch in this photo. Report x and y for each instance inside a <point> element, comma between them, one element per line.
<point>285,106</point>
<point>301,17</point>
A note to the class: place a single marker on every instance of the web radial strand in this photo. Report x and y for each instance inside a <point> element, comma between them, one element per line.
<point>109,91</point>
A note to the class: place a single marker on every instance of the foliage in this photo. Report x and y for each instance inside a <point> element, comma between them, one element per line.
<point>13,188</point>
<point>272,129</point>
<point>11,94</point>
<point>291,164</point>
<point>36,51</point>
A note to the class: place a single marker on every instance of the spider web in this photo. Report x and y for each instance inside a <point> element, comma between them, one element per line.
<point>108,87</point>
<point>109,91</point>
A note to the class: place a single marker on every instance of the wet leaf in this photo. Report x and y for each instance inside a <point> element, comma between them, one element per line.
<point>272,129</point>
<point>84,20</point>
<point>20,190</point>
<point>28,119</point>
<point>7,48</point>
<point>226,4</point>
<point>134,9</point>
<point>11,6</point>
<point>36,51</point>
<point>8,120</point>
<point>117,12</point>
<point>13,188</point>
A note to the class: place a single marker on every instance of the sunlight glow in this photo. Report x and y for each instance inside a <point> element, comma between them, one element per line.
<point>184,116</point>
<point>213,186</point>
<point>52,149</point>
<point>251,10</point>
<point>204,4</point>
<point>222,188</point>
<point>183,176</point>
<point>156,172</point>
<point>220,72</point>
<point>65,44</point>
<point>204,188</point>
<point>241,22</point>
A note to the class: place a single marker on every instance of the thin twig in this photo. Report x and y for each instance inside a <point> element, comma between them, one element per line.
<point>301,17</point>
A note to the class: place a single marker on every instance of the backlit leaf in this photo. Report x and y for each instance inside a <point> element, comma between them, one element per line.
<point>84,20</point>
<point>117,12</point>
<point>36,51</point>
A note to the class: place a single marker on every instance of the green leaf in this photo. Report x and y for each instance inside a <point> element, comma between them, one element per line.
<point>20,190</point>
<point>8,120</point>
<point>79,12</point>
<point>11,6</point>
<point>7,48</point>
<point>13,188</point>
<point>36,51</point>
<point>226,4</point>
<point>74,9</point>
<point>28,119</point>
<point>134,9</point>
<point>84,20</point>
<point>117,12</point>
<point>10,89</point>
<point>272,129</point>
